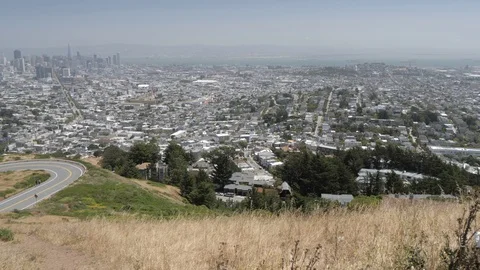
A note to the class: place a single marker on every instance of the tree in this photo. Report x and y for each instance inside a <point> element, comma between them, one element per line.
<point>223,165</point>
<point>375,185</point>
<point>97,153</point>
<point>383,114</point>
<point>176,159</point>
<point>203,193</point>
<point>142,152</point>
<point>173,151</point>
<point>187,185</point>
<point>243,144</point>
<point>394,183</point>
<point>128,169</point>
<point>112,157</point>
<point>281,114</point>
<point>92,147</point>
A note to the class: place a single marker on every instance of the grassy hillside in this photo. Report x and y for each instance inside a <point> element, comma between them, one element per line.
<point>395,235</point>
<point>100,192</point>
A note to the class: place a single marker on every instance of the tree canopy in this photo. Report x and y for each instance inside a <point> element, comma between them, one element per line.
<point>223,165</point>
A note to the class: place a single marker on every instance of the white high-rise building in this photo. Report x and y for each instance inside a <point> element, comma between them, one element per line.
<point>22,65</point>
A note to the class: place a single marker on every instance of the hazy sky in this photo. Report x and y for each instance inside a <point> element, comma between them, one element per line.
<point>420,24</point>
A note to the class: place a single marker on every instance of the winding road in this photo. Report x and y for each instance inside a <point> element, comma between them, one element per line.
<point>62,174</point>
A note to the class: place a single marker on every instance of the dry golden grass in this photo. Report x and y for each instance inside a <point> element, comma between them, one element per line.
<point>170,192</point>
<point>370,239</point>
<point>12,259</point>
<point>95,161</point>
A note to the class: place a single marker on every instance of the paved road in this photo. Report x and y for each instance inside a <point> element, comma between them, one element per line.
<point>75,110</point>
<point>62,174</point>
<point>320,117</point>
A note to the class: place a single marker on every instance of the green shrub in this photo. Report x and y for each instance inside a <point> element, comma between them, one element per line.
<point>31,180</point>
<point>360,202</point>
<point>6,235</point>
<point>16,214</point>
<point>6,192</point>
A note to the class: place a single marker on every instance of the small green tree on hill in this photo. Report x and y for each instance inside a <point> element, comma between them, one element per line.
<point>203,193</point>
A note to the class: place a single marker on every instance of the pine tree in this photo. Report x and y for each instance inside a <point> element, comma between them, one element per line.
<point>223,165</point>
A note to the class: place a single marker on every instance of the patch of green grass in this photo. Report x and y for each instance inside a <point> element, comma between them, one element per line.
<point>156,184</point>
<point>360,202</point>
<point>43,156</point>
<point>112,198</point>
<point>6,192</point>
<point>31,180</point>
<point>16,214</point>
<point>6,235</point>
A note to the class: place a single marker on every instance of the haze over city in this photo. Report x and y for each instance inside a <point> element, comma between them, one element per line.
<point>374,28</point>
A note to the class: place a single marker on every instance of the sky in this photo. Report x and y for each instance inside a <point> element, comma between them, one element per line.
<point>414,26</point>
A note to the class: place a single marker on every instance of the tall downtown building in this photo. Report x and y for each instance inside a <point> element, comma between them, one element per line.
<point>17,54</point>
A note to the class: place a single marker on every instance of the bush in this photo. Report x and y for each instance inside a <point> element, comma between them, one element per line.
<point>31,180</point>
<point>463,254</point>
<point>6,192</point>
<point>6,235</point>
<point>360,202</point>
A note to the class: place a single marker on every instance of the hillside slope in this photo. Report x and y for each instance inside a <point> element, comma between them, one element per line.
<point>101,192</point>
<point>395,235</point>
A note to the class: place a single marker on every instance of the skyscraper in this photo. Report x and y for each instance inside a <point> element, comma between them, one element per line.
<point>17,54</point>
<point>118,59</point>
<point>3,60</point>
<point>43,72</point>
<point>114,60</point>
<point>33,60</point>
<point>40,72</point>
<point>20,63</point>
